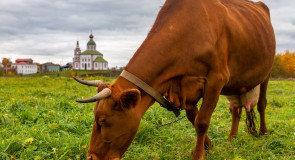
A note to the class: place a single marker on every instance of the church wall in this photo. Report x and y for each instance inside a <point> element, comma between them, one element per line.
<point>76,65</point>
<point>104,66</point>
<point>96,64</point>
<point>85,59</point>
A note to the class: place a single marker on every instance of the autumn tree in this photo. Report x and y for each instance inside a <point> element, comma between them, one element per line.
<point>2,72</point>
<point>288,60</point>
<point>7,64</point>
<point>278,69</point>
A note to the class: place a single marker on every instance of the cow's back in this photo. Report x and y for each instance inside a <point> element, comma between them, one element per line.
<point>251,43</point>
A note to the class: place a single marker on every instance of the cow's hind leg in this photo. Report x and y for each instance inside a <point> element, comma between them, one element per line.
<point>262,106</point>
<point>236,116</point>
<point>191,113</point>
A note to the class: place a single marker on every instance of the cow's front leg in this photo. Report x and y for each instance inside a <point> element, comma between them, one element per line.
<point>211,94</point>
<point>191,113</point>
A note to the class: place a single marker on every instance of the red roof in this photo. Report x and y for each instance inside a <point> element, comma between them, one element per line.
<point>23,60</point>
<point>23,63</point>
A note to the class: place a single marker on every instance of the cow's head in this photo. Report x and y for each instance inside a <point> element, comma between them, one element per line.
<point>116,120</point>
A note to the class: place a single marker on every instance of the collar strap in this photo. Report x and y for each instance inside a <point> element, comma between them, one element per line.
<point>151,91</point>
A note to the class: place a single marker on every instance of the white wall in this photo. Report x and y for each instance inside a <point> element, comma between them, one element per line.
<point>100,66</point>
<point>85,59</point>
<point>76,65</point>
<point>105,66</point>
<point>26,68</point>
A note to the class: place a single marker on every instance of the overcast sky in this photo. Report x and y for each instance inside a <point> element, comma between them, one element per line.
<point>47,30</point>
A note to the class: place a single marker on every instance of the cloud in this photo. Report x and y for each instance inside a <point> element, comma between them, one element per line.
<point>45,29</point>
<point>48,30</point>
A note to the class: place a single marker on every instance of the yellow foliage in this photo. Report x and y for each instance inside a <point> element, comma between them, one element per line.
<point>6,62</point>
<point>9,73</point>
<point>74,74</point>
<point>288,60</point>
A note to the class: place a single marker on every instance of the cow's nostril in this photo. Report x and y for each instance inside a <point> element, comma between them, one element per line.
<point>89,157</point>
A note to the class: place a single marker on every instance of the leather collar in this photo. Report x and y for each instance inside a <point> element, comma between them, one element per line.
<point>151,91</point>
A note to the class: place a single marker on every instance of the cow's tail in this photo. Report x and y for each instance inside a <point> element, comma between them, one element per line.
<point>251,122</point>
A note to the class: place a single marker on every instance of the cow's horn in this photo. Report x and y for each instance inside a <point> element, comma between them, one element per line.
<point>89,83</point>
<point>101,95</point>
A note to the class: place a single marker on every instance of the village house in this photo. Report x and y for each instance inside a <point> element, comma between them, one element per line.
<point>50,67</point>
<point>25,66</point>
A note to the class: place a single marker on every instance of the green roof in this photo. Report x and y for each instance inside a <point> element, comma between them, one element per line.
<point>91,42</point>
<point>91,52</point>
<point>77,60</point>
<point>100,59</point>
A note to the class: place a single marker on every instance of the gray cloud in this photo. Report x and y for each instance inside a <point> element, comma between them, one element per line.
<point>48,30</point>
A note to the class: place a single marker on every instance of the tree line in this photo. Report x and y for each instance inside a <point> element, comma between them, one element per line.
<point>283,67</point>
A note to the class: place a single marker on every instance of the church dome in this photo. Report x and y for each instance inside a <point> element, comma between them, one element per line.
<point>91,42</point>
<point>91,36</point>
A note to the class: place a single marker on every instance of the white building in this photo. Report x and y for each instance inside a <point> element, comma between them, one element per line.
<point>1,65</point>
<point>90,59</point>
<point>25,66</point>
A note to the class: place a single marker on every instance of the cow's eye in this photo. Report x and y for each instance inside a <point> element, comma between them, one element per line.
<point>103,120</point>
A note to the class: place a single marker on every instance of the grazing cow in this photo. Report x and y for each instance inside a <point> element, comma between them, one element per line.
<point>225,47</point>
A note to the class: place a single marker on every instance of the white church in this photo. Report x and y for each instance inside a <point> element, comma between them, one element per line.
<point>90,59</point>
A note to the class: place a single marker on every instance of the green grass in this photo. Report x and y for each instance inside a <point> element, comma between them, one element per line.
<point>39,119</point>
<point>68,73</point>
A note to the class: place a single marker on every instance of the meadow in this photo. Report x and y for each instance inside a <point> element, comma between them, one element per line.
<point>39,119</point>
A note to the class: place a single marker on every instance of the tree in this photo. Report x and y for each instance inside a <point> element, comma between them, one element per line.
<point>2,72</point>
<point>7,64</point>
<point>278,69</point>
<point>288,60</point>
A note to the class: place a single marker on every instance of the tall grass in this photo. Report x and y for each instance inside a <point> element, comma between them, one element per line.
<point>39,119</point>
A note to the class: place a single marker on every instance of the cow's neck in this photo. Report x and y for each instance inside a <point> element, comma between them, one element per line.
<point>157,61</point>
<point>153,69</point>
<point>148,66</point>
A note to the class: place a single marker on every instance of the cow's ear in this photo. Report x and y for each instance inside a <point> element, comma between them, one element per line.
<point>129,98</point>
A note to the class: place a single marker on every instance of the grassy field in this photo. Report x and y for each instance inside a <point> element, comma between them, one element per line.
<point>39,119</point>
<point>69,73</point>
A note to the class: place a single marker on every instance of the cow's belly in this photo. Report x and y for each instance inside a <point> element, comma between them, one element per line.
<point>245,76</point>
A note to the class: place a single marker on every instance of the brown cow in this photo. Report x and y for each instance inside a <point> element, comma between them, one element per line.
<point>229,45</point>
